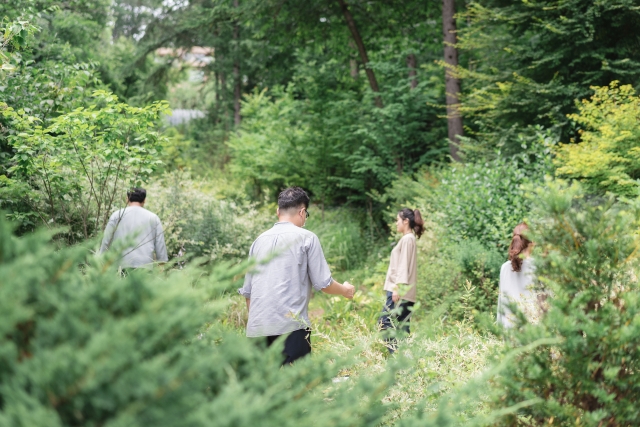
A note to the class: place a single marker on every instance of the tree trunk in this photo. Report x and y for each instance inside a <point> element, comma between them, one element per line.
<point>412,64</point>
<point>363,53</point>
<point>353,65</point>
<point>353,62</point>
<point>216,76</point>
<point>237,89</point>
<point>452,84</point>
<point>225,100</point>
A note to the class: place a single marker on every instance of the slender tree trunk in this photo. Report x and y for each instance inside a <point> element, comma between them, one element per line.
<point>353,65</point>
<point>216,76</point>
<point>237,88</point>
<point>452,84</point>
<point>363,53</point>
<point>412,64</point>
<point>353,62</point>
<point>225,105</point>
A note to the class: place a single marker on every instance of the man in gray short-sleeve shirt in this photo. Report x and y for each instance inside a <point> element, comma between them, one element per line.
<point>142,227</point>
<point>278,291</point>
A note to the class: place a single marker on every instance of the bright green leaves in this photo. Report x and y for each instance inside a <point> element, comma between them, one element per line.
<point>13,37</point>
<point>607,157</point>
<point>78,165</point>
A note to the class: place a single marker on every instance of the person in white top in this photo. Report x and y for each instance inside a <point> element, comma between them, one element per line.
<point>141,228</point>
<point>402,272</point>
<point>517,278</point>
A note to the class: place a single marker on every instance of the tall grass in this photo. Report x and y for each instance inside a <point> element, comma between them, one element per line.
<point>344,244</point>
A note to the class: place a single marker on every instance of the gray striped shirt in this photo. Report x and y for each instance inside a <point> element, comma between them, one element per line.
<point>290,262</point>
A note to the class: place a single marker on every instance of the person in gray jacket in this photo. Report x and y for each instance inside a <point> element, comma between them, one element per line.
<point>290,263</point>
<point>141,227</point>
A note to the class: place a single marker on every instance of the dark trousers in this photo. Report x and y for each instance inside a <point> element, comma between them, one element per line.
<point>394,318</point>
<point>296,345</point>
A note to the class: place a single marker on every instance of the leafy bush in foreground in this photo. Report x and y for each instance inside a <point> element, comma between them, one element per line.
<point>588,259</point>
<point>83,346</point>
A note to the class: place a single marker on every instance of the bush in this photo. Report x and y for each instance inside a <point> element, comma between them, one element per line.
<point>343,242</point>
<point>478,281</point>
<point>588,260</point>
<point>87,347</point>
<point>606,157</point>
<point>209,218</point>
<point>74,170</point>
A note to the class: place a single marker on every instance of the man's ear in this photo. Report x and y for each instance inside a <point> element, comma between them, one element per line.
<point>278,211</point>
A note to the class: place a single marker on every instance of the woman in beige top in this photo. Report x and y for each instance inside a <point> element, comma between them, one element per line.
<point>402,273</point>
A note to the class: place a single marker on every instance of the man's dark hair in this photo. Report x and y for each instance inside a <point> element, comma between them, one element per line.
<point>137,195</point>
<point>292,198</point>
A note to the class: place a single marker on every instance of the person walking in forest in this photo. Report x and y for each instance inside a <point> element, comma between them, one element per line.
<point>290,263</point>
<point>142,227</point>
<point>517,279</point>
<point>402,272</point>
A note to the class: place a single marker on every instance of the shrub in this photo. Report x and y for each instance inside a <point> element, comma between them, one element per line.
<point>607,156</point>
<point>478,280</point>
<point>201,219</point>
<point>344,245</point>
<point>588,260</point>
<point>77,166</point>
<point>87,347</point>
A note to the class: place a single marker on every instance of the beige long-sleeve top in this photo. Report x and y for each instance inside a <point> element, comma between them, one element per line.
<point>403,268</point>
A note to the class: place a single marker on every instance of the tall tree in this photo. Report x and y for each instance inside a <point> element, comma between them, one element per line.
<point>452,83</point>
<point>363,52</point>
<point>530,61</point>
<point>237,82</point>
<point>412,64</point>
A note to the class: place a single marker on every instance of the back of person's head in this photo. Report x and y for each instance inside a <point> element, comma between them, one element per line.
<point>137,195</point>
<point>519,244</point>
<point>292,198</point>
<point>415,220</point>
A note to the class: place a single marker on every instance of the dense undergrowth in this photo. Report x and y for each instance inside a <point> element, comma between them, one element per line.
<point>81,345</point>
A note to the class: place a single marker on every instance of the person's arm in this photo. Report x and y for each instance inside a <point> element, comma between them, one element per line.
<point>159,245</point>
<point>108,236</point>
<point>345,289</point>
<point>245,290</point>
<point>402,275</point>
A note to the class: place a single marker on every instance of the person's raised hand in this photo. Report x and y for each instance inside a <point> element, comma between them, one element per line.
<point>349,290</point>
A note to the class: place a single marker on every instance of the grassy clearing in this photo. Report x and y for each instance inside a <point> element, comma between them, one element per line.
<point>439,357</point>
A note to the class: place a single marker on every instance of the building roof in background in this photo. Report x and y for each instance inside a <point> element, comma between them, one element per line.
<point>180,116</point>
<point>196,56</point>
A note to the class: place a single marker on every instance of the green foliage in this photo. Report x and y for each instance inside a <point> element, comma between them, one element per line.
<point>588,262</point>
<point>85,346</point>
<point>528,61</point>
<point>14,36</point>
<point>345,245</point>
<point>207,217</point>
<point>77,166</point>
<point>473,201</point>
<point>478,281</point>
<point>607,157</point>
<point>336,147</point>
<point>271,150</point>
